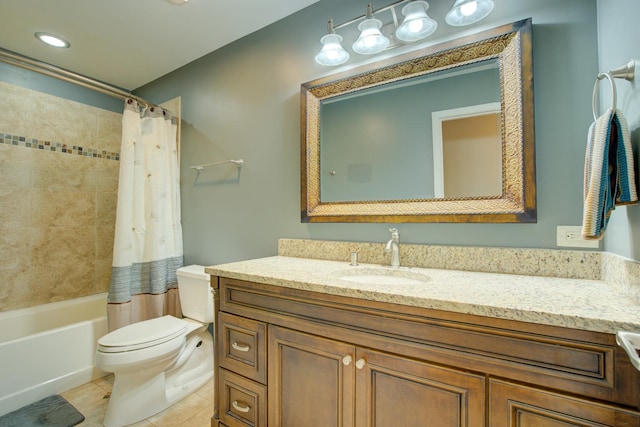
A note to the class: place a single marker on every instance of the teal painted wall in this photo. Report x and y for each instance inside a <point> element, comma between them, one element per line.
<point>243,101</point>
<point>618,35</point>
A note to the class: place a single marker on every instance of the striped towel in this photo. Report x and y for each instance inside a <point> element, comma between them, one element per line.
<point>609,174</point>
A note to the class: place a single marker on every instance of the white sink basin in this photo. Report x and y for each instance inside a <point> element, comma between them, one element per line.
<point>383,276</point>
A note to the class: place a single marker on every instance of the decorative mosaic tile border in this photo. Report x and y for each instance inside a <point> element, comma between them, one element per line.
<point>23,141</point>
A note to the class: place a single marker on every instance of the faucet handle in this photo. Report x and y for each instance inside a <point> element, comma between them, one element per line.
<point>394,233</point>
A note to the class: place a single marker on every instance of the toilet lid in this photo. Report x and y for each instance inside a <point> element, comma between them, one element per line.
<point>143,334</point>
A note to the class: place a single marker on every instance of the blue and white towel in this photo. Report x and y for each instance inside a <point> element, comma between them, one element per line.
<point>609,174</point>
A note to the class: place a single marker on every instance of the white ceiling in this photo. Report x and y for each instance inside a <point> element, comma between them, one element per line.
<point>128,43</point>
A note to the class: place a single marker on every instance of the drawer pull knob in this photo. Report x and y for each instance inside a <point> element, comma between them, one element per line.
<point>240,406</point>
<point>240,347</point>
<point>346,361</point>
<point>360,363</point>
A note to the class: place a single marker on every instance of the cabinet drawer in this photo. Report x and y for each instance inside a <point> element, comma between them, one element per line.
<point>242,402</point>
<point>242,346</point>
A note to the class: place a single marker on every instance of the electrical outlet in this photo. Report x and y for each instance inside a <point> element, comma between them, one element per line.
<point>571,236</point>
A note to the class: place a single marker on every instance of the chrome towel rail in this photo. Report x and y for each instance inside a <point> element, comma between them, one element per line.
<point>199,168</point>
<point>626,71</point>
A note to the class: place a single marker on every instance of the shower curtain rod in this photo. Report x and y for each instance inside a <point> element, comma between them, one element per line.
<point>30,64</point>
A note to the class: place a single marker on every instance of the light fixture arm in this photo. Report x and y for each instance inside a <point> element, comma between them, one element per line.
<point>369,11</point>
<point>330,29</point>
<point>394,15</point>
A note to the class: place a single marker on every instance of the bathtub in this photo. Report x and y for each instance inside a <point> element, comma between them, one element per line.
<point>49,349</point>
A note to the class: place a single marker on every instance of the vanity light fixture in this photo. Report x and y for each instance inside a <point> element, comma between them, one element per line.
<point>332,52</point>
<point>467,12</point>
<point>371,39</point>
<point>377,35</point>
<point>52,40</point>
<point>417,24</point>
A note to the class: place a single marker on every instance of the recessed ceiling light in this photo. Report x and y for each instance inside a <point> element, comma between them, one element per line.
<point>52,40</point>
<point>178,2</point>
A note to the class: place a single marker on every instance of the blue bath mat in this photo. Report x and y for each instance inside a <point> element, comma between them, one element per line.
<point>52,411</point>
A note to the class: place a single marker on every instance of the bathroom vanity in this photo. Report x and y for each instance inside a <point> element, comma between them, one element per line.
<point>306,342</point>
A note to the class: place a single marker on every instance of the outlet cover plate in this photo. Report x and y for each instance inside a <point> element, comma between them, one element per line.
<point>571,236</point>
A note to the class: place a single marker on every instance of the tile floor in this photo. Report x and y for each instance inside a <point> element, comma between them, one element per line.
<point>91,400</point>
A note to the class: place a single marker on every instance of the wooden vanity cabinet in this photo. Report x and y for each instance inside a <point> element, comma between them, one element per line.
<point>323,360</point>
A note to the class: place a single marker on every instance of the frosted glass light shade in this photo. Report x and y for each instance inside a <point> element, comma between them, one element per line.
<point>466,12</point>
<point>332,52</point>
<point>371,39</point>
<point>417,24</point>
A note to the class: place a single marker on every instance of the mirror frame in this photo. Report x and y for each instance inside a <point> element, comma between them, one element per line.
<point>511,45</point>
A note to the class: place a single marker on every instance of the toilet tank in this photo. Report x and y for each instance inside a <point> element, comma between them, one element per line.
<point>196,298</point>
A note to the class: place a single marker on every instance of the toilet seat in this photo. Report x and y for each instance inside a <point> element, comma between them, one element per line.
<point>141,335</point>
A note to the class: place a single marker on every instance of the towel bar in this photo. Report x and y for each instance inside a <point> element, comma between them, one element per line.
<point>199,168</point>
<point>626,72</point>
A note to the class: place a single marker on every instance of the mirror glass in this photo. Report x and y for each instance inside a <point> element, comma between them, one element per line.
<point>441,135</point>
<point>378,144</point>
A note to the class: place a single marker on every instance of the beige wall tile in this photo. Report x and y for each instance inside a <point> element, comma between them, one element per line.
<point>104,243</point>
<point>15,105</point>
<point>15,206</point>
<point>15,165</point>
<point>63,171</point>
<point>61,282</point>
<point>64,121</point>
<point>15,292</point>
<point>54,246</point>
<point>107,174</point>
<point>57,209</point>
<point>104,258</point>
<point>109,131</point>
<point>15,249</point>
<point>106,204</point>
<point>102,273</point>
<point>51,208</point>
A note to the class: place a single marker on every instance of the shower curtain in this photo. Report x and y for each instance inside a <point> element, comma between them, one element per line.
<point>147,247</point>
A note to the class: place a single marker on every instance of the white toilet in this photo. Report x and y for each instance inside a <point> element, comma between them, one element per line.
<point>157,362</point>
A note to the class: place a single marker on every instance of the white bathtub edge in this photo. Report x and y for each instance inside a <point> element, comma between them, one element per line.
<point>56,386</point>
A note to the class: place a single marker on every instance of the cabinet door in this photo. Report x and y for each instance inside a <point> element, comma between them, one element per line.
<point>311,380</point>
<point>520,406</point>
<point>394,391</point>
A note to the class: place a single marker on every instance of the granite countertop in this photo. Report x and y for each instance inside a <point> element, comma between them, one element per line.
<point>591,305</point>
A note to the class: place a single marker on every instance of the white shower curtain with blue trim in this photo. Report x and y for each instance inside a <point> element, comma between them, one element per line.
<point>147,246</point>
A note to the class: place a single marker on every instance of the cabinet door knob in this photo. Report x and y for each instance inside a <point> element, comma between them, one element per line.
<point>240,406</point>
<point>360,363</point>
<point>346,361</point>
<point>240,347</point>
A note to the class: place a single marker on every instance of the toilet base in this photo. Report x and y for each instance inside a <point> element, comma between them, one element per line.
<point>145,392</point>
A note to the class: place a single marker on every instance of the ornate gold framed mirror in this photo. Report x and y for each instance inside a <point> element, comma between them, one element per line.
<point>390,169</point>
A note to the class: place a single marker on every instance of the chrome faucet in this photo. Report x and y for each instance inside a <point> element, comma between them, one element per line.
<point>393,246</point>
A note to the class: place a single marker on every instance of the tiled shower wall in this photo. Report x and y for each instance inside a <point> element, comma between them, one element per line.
<point>58,190</point>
